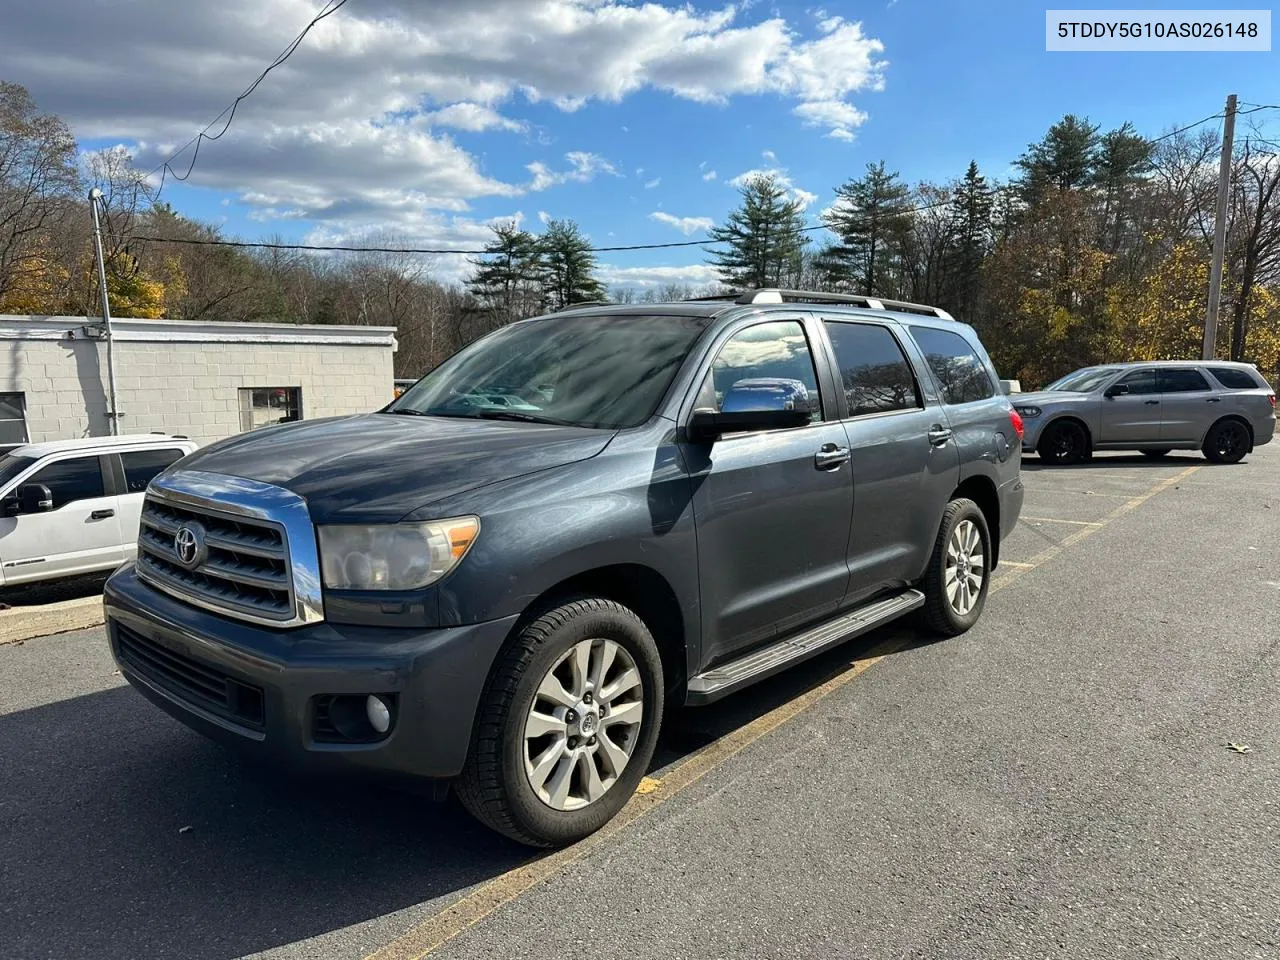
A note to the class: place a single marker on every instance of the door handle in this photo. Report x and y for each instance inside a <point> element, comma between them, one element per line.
<point>938,435</point>
<point>101,514</point>
<point>831,457</point>
<point>1149,403</point>
<point>1212,399</point>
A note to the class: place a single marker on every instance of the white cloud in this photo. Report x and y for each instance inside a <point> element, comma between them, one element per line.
<point>702,165</point>
<point>694,275</point>
<point>709,175</point>
<point>471,116</point>
<point>583,167</point>
<point>779,174</point>
<point>841,118</point>
<point>544,216</point>
<point>352,128</point>
<point>639,171</point>
<point>770,157</point>
<point>651,184</point>
<point>686,225</point>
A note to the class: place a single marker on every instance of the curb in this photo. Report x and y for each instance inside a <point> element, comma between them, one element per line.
<point>26,623</point>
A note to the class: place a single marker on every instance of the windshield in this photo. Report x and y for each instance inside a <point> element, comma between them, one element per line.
<point>11,466</point>
<point>589,371</point>
<point>1083,381</point>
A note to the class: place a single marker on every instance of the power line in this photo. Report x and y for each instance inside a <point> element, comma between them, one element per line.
<point>331,7</point>
<point>1190,126</point>
<point>333,248</point>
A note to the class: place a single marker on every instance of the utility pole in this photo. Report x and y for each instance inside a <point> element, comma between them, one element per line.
<point>1220,229</point>
<point>95,197</point>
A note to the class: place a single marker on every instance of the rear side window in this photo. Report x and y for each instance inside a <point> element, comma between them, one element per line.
<point>874,371</point>
<point>142,466</point>
<point>1181,381</point>
<point>960,373</point>
<point>1233,378</point>
<point>72,480</point>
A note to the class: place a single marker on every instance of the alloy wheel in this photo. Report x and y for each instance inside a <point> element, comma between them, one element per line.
<point>966,567</point>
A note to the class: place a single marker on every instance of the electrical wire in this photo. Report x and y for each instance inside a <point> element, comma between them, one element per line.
<point>331,7</point>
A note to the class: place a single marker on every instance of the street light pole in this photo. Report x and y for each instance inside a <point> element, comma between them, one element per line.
<point>95,197</point>
<point>1220,229</point>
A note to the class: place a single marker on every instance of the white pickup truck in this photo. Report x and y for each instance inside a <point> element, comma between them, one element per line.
<point>72,506</point>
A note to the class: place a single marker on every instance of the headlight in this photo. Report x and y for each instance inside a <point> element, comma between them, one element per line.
<point>1028,411</point>
<point>393,556</point>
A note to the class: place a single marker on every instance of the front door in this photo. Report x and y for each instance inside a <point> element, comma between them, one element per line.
<point>1132,417</point>
<point>1188,403</point>
<point>79,535</point>
<point>773,507</point>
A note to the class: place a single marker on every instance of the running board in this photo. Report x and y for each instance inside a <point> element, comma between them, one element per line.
<point>725,679</point>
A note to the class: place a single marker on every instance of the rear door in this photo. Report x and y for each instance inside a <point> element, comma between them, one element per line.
<point>1188,404</point>
<point>1132,417</point>
<point>137,468</point>
<point>79,535</point>
<point>898,471</point>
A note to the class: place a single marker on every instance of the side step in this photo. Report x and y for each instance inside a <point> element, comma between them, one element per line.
<point>725,679</point>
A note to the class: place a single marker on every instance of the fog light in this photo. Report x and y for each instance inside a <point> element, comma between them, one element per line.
<point>379,713</point>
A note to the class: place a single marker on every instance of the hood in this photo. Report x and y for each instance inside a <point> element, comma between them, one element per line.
<point>1042,398</point>
<point>379,467</point>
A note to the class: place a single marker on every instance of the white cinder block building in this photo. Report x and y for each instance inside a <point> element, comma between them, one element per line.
<point>204,380</point>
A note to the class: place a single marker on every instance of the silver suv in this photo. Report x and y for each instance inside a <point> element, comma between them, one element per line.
<point>1220,408</point>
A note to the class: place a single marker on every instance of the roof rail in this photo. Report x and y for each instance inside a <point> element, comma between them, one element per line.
<point>775,295</point>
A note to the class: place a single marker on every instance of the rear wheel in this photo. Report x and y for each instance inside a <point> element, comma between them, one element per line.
<point>1064,443</point>
<point>1227,442</point>
<point>955,585</point>
<point>1156,454</point>
<point>568,724</point>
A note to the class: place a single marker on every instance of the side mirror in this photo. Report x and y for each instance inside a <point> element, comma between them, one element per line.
<point>1117,390</point>
<point>35,498</point>
<point>752,405</point>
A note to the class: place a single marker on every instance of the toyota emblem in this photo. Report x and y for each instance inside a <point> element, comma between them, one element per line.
<point>188,544</point>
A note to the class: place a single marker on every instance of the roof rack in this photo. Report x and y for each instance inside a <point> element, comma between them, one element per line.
<point>776,295</point>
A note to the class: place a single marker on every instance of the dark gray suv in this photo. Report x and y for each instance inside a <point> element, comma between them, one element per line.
<point>505,576</point>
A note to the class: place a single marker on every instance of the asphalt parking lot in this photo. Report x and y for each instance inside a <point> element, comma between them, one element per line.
<point>1056,783</point>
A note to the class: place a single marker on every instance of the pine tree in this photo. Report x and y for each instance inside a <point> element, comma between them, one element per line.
<point>568,266</point>
<point>871,216</point>
<point>1122,164</point>
<point>507,280</point>
<point>970,238</point>
<point>1064,159</point>
<point>765,237</point>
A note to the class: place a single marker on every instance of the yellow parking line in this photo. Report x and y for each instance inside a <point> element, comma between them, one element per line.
<point>438,929</point>
<point>1078,523</point>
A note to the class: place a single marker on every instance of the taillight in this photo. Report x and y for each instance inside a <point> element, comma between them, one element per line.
<point>1272,398</point>
<point>1016,419</point>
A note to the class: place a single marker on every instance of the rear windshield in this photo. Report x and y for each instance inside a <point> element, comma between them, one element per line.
<point>1235,378</point>
<point>589,371</point>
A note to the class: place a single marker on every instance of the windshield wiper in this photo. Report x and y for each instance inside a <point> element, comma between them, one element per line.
<point>408,412</point>
<point>520,417</point>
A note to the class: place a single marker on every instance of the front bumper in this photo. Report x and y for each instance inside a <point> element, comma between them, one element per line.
<point>275,679</point>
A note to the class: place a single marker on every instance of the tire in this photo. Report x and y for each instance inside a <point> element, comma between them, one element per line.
<point>942,613</point>
<point>1156,454</point>
<point>497,787</point>
<point>1226,442</point>
<point>1064,443</point>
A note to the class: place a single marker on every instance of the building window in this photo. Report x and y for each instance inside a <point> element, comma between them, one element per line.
<point>263,406</point>
<point>13,419</point>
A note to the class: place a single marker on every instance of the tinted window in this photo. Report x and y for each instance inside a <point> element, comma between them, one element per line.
<point>873,369</point>
<point>1233,378</point>
<point>767,351</point>
<point>1181,381</point>
<point>961,375</point>
<point>11,466</point>
<point>594,371</point>
<point>1140,381</point>
<point>71,480</point>
<point>141,466</point>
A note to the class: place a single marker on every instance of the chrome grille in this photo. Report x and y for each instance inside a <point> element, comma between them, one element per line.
<point>251,538</point>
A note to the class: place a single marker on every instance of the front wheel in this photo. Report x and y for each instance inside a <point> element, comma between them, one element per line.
<point>1064,443</point>
<point>955,585</point>
<point>568,724</point>
<point>1227,442</point>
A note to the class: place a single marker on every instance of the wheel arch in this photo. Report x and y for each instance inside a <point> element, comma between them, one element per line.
<point>1063,418</point>
<point>1230,416</point>
<point>982,490</point>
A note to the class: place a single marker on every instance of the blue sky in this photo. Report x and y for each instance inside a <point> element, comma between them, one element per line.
<point>661,101</point>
